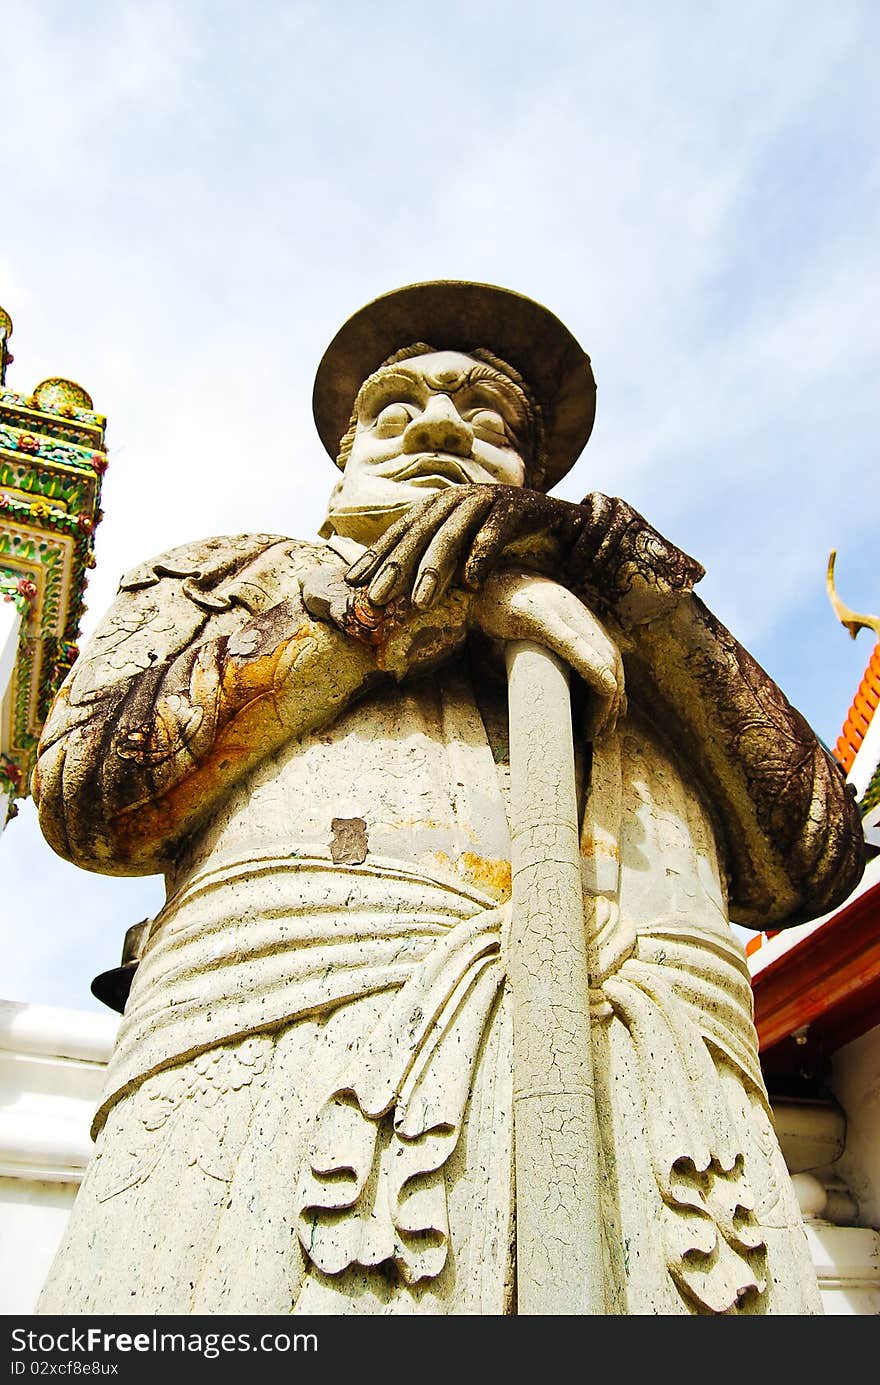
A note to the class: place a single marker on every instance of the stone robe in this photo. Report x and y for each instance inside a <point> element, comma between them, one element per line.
<point>309,1106</point>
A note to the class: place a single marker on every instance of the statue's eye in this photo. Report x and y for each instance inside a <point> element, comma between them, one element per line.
<point>490,423</point>
<point>392,420</point>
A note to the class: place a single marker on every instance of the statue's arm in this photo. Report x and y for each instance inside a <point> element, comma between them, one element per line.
<point>466,532</point>
<point>795,847</point>
<point>793,835</point>
<point>174,701</point>
<point>794,842</point>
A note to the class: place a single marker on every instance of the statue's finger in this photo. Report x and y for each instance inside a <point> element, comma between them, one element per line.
<point>442,557</point>
<point>587,635</point>
<point>360,571</point>
<point>368,564</point>
<point>393,575</point>
<point>501,526</point>
<point>586,649</point>
<point>370,561</point>
<point>608,710</point>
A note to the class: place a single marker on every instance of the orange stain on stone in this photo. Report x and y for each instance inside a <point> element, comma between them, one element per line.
<point>492,874</point>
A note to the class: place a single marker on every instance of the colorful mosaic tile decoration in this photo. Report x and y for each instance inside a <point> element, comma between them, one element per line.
<point>52,459</point>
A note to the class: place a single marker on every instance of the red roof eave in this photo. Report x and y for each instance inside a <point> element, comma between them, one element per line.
<point>829,981</point>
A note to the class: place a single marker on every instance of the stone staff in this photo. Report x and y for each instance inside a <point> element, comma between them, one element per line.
<point>559,1241</point>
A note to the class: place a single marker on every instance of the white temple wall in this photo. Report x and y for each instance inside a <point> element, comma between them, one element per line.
<point>33,1215</point>
<point>856,1082</point>
<point>847,1257</point>
<point>51,1071</point>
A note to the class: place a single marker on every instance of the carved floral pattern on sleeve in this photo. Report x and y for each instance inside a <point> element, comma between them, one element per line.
<point>625,565</point>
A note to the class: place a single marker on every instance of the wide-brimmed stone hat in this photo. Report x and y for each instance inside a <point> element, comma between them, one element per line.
<point>452,314</point>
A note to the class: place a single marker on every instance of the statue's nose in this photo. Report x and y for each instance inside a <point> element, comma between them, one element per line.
<point>440,428</point>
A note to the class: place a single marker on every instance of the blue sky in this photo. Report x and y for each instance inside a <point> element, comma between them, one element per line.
<point>197,194</point>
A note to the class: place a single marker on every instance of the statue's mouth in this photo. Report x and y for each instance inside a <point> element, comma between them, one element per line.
<point>433,469</point>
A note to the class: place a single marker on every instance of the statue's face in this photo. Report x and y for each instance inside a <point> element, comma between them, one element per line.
<point>433,421</point>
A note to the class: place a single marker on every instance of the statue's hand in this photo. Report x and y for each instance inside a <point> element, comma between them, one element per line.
<point>516,605</point>
<point>465,530</point>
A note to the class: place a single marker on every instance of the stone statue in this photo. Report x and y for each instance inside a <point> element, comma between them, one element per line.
<point>309,1106</point>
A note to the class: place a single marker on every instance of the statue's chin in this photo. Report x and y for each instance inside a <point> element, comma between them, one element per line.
<point>365,524</point>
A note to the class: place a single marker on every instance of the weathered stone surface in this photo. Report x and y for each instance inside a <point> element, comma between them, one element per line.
<point>347,996</point>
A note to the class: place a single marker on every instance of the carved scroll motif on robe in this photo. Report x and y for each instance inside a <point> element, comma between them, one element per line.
<point>373,1188</point>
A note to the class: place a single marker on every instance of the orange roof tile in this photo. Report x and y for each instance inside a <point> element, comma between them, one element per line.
<point>864,706</point>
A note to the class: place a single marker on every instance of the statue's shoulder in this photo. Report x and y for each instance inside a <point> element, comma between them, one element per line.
<point>204,565</point>
<point>200,589</point>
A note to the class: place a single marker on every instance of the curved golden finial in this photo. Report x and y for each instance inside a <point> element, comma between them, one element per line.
<point>850,620</point>
<point>5,334</point>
